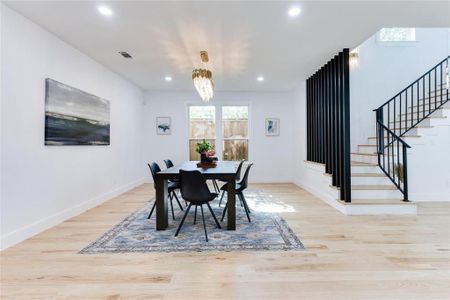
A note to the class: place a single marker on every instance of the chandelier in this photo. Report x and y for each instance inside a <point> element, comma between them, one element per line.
<point>203,80</point>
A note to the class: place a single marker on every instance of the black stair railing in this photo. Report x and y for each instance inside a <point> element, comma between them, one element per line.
<point>328,121</point>
<point>403,112</point>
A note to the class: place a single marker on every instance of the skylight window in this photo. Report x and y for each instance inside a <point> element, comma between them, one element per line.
<point>396,35</point>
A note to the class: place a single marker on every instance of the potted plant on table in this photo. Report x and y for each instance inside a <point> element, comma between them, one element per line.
<point>206,150</point>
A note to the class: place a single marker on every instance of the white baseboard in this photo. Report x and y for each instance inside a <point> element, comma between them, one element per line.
<point>431,197</point>
<point>28,231</point>
<point>328,199</point>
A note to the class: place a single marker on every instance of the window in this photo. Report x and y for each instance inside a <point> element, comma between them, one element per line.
<point>202,125</point>
<point>235,132</point>
<point>232,130</point>
<point>396,35</point>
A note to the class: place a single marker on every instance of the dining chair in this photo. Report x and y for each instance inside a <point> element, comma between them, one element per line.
<point>240,188</point>
<point>238,177</point>
<point>171,187</point>
<point>194,190</point>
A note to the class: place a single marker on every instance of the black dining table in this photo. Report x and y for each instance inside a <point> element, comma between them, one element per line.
<point>225,171</point>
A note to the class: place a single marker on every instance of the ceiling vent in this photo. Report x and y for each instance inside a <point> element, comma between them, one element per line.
<point>125,54</point>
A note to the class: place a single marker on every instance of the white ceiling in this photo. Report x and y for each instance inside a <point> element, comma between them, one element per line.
<point>244,39</point>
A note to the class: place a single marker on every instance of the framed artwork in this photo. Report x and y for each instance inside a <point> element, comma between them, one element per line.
<point>272,127</point>
<point>163,126</point>
<point>74,117</point>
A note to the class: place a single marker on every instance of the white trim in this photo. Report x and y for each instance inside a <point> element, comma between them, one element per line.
<point>21,234</point>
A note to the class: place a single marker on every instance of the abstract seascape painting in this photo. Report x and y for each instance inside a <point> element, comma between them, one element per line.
<point>74,117</point>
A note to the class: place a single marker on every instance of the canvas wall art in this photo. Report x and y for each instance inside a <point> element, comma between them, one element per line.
<point>272,127</point>
<point>74,117</point>
<point>163,125</point>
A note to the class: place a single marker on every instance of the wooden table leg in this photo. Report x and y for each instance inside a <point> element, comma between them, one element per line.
<point>161,204</point>
<point>231,202</point>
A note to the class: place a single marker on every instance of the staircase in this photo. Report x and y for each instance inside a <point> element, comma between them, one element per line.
<point>379,172</point>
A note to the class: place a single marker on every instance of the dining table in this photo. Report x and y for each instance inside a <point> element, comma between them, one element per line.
<point>224,171</point>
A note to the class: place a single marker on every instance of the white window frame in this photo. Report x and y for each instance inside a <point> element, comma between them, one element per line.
<point>409,43</point>
<point>219,128</point>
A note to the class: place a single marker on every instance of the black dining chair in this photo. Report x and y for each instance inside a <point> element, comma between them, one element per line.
<point>171,187</point>
<point>195,191</point>
<point>238,177</point>
<point>240,187</point>
<point>169,164</point>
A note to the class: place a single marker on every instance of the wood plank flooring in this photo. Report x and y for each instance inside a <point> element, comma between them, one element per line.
<point>357,257</point>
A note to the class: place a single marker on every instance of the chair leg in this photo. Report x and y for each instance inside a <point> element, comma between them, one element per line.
<point>178,201</point>
<point>221,198</point>
<point>171,205</point>
<point>224,212</point>
<point>245,203</point>
<point>182,220</point>
<point>245,207</point>
<point>204,225</point>
<point>216,186</point>
<point>214,216</point>
<point>151,212</point>
<point>195,215</point>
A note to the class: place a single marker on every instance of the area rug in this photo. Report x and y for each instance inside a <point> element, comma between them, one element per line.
<point>267,231</point>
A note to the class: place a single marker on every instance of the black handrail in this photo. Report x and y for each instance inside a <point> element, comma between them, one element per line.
<point>402,113</point>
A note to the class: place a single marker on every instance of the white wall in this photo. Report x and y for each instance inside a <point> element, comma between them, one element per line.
<point>43,185</point>
<point>386,69</point>
<point>272,156</point>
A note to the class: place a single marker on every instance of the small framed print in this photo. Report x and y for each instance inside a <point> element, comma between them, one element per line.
<point>272,127</point>
<point>163,126</point>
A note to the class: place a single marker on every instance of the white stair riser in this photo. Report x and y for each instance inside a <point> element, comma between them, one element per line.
<point>366,149</point>
<point>377,194</point>
<point>371,180</point>
<point>364,158</point>
<point>407,122</point>
<point>370,169</point>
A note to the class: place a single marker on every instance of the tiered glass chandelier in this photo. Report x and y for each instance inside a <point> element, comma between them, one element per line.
<point>203,80</point>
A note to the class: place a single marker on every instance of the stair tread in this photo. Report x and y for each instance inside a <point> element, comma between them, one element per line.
<point>429,117</point>
<point>405,136</point>
<point>362,164</point>
<point>374,187</point>
<point>368,175</point>
<point>364,154</point>
<point>381,202</point>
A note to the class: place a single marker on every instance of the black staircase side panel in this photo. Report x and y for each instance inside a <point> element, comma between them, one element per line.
<point>328,120</point>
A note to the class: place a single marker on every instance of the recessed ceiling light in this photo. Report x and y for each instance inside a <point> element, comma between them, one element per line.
<point>260,78</point>
<point>168,78</point>
<point>294,11</point>
<point>104,10</point>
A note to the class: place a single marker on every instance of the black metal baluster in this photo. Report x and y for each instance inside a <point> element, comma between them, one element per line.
<point>429,93</point>
<point>405,174</point>
<point>395,115</point>
<point>412,105</point>
<point>398,163</point>
<point>435,88</point>
<point>418,99</point>
<point>423,99</point>
<point>441,86</point>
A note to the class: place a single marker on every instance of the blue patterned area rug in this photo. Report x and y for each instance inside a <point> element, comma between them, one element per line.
<point>267,231</point>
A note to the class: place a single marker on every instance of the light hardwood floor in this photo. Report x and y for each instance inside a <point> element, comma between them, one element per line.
<point>357,257</point>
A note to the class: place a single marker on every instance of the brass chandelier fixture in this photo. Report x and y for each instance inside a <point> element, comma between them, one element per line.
<point>203,80</point>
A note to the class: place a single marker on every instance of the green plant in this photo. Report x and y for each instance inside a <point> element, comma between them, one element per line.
<point>203,146</point>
